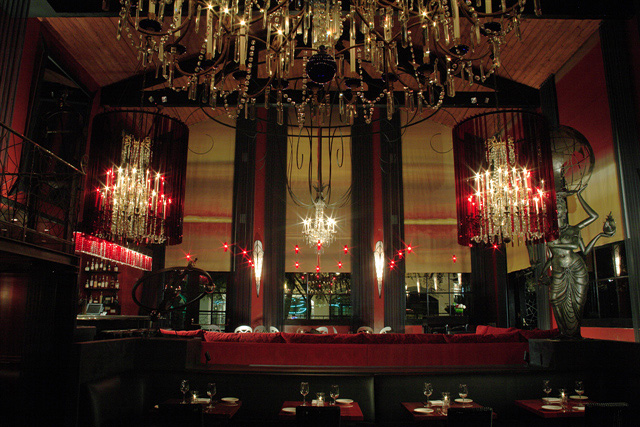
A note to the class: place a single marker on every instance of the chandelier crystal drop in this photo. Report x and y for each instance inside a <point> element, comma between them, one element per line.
<point>133,202</point>
<point>370,52</point>
<point>506,206</point>
<point>319,231</point>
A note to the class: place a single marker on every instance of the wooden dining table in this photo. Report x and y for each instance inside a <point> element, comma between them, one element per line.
<point>535,406</point>
<point>437,413</point>
<point>348,412</point>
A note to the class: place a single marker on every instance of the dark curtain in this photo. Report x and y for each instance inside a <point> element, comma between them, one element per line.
<point>363,280</point>
<point>393,218</point>
<point>275,219</point>
<point>240,279</point>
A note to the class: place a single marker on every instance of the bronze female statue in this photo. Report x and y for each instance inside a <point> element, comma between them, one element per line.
<point>569,278</point>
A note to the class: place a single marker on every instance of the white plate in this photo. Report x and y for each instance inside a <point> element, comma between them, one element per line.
<point>344,401</point>
<point>289,409</point>
<point>578,408</point>
<point>552,407</point>
<point>435,402</point>
<point>464,400</point>
<point>577,397</point>
<point>551,399</point>
<point>423,410</point>
<point>230,399</point>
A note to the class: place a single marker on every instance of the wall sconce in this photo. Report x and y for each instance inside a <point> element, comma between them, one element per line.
<point>258,257</point>
<point>378,255</point>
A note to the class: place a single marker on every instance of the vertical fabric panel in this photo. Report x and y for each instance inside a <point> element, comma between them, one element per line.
<point>617,66</point>
<point>393,217</point>
<point>240,280</point>
<point>363,280</point>
<point>13,20</point>
<point>488,285</point>
<point>276,216</point>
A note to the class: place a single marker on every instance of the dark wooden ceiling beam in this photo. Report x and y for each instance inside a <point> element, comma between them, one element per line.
<point>551,9</point>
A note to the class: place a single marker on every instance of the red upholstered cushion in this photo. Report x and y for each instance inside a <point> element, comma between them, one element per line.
<point>496,331</point>
<point>486,338</point>
<point>325,338</point>
<point>221,336</point>
<point>404,338</point>
<point>539,333</point>
<point>481,329</point>
<point>268,338</point>
<point>197,333</point>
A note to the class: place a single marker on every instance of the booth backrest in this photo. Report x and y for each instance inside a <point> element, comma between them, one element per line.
<point>118,400</point>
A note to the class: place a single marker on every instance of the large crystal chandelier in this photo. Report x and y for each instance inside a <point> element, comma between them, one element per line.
<point>402,53</point>
<point>133,200</point>
<point>505,202</point>
<point>320,230</point>
<point>504,179</point>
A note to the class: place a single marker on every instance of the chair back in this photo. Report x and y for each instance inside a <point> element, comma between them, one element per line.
<point>260,329</point>
<point>243,329</point>
<point>273,329</point>
<point>323,330</point>
<point>385,330</point>
<point>470,417</point>
<point>613,414</point>
<point>189,415</point>
<point>317,416</point>
<point>365,330</point>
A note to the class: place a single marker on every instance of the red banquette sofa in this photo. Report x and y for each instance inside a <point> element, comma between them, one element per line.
<point>488,346</point>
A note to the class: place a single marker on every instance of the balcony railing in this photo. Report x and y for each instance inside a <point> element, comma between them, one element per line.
<point>39,193</point>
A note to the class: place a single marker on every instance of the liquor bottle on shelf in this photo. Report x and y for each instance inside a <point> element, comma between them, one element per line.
<point>101,265</point>
<point>86,266</point>
<point>115,267</point>
<point>117,283</point>
<point>93,265</point>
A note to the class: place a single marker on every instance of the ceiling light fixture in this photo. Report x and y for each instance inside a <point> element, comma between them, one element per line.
<point>402,54</point>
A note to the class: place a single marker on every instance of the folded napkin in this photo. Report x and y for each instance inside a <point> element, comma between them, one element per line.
<point>436,402</point>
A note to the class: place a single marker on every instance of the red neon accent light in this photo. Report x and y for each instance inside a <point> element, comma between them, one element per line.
<point>454,258</point>
<point>296,249</point>
<point>317,268</point>
<point>319,245</point>
<point>339,264</point>
<point>225,246</point>
<point>409,249</point>
<point>346,249</point>
<point>399,254</point>
<point>297,264</point>
<point>101,248</point>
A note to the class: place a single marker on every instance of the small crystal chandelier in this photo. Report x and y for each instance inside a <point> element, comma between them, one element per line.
<point>369,52</point>
<point>133,201</point>
<point>321,230</point>
<point>507,206</point>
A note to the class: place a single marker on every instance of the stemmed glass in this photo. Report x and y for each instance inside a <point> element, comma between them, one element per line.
<point>334,393</point>
<point>184,388</point>
<point>427,390</point>
<point>211,391</point>
<point>580,390</point>
<point>304,390</point>
<point>464,392</point>
<point>546,387</point>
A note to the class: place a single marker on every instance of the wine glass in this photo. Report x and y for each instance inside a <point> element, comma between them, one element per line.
<point>580,390</point>
<point>464,392</point>
<point>427,390</point>
<point>304,390</point>
<point>546,387</point>
<point>211,391</point>
<point>334,392</point>
<point>184,388</point>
